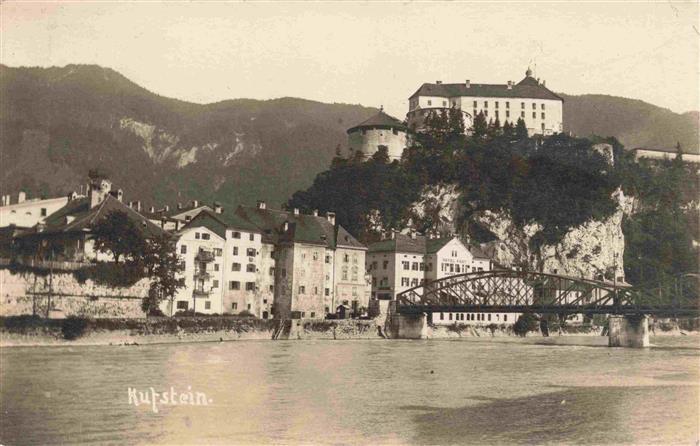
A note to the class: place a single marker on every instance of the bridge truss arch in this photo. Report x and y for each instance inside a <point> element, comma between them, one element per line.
<point>530,291</point>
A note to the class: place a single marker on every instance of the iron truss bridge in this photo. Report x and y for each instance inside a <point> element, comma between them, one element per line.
<point>526,291</point>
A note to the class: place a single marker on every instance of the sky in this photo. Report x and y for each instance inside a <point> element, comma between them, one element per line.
<point>370,53</point>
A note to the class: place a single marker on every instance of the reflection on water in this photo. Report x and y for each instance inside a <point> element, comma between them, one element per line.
<point>465,391</point>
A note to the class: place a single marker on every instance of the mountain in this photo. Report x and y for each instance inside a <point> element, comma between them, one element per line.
<point>58,123</point>
<point>635,123</point>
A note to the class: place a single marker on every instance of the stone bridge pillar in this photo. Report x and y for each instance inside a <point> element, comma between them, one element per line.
<point>406,326</point>
<point>628,331</point>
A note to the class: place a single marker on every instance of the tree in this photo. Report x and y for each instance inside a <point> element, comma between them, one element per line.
<point>480,126</point>
<point>164,267</point>
<point>119,235</point>
<point>521,130</point>
<point>525,323</point>
<point>455,122</point>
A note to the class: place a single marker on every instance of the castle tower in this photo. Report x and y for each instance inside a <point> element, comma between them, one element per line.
<point>379,130</point>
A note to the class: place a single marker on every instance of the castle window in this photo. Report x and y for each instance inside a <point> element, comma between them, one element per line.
<point>543,106</point>
<point>542,115</point>
<point>507,114</point>
<point>522,105</point>
<point>497,113</point>
<point>474,104</point>
<point>534,106</point>
<point>496,104</point>
<point>522,114</point>
<point>486,104</point>
<point>507,104</point>
<point>534,115</point>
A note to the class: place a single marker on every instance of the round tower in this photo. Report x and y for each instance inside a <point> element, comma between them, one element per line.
<point>381,130</point>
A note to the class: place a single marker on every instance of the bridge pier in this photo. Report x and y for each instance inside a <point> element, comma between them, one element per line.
<point>628,331</point>
<point>406,326</point>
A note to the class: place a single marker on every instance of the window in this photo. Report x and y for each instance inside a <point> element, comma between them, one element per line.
<point>534,106</point>
<point>188,217</point>
<point>250,268</point>
<point>216,284</point>
<point>507,114</point>
<point>414,282</point>
<point>315,255</point>
<point>235,250</point>
<point>522,105</point>
<point>272,288</point>
<point>354,274</point>
<point>395,131</point>
<point>181,304</point>
<point>218,252</point>
<point>406,265</point>
<point>250,286</point>
<point>422,266</point>
<point>497,113</point>
<point>404,281</point>
<point>505,318</point>
<point>543,106</point>
<point>249,306</point>
<point>444,103</point>
<point>475,112</point>
<point>235,267</point>
<point>542,115</point>
<point>252,237</point>
<point>346,258</point>
<point>486,112</point>
<point>272,270</point>
<point>442,316</point>
<point>250,252</point>
<point>534,115</point>
<point>197,235</point>
<point>43,212</point>
<point>385,264</point>
<point>474,104</point>
<point>496,104</point>
<point>302,289</point>
<point>234,285</point>
<point>345,273</point>
<point>315,290</point>
<point>489,316</point>
<point>183,249</point>
<point>430,102</point>
<point>414,266</point>
<point>327,292</point>
<point>486,104</point>
<point>522,114</point>
<point>236,234</point>
<point>234,306</point>
<point>313,314</point>
<point>216,267</point>
<point>205,236</point>
<point>328,259</point>
<point>374,281</point>
<point>450,316</point>
<point>507,104</point>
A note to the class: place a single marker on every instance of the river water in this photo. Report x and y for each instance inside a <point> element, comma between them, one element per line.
<point>504,391</point>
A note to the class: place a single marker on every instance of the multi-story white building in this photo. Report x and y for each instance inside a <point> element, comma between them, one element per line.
<point>319,266</point>
<point>529,99</point>
<point>405,261</point>
<point>25,213</point>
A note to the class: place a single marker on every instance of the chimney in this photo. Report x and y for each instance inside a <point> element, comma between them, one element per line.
<point>261,204</point>
<point>510,85</point>
<point>120,195</point>
<point>285,226</point>
<point>315,212</point>
<point>22,197</point>
<point>166,208</point>
<point>544,83</point>
<point>2,203</point>
<point>392,234</point>
<point>296,211</point>
<point>468,84</point>
<point>179,206</point>
<point>218,208</point>
<point>331,217</point>
<point>152,209</point>
<point>195,203</point>
<point>137,205</point>
<point>98,191</point>
<point>438,82</point>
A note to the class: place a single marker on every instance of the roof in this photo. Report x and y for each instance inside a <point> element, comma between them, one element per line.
<point>380,120</point>
<point>405,243</point>
<point>526,88</point>
<point>84,218</point>
<point>301,228</point>
<point>219,223</point>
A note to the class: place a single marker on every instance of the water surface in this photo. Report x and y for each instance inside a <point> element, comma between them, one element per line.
<point>505,391</point>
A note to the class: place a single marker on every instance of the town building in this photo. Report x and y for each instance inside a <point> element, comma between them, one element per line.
<point>174,218</point>
<point>660,154</point>
<point>403,261</point>
<point>529,99</point>
<point>319,266</point>
<point>67,234</point>
<point>381,130</point>
<point>25,213</point>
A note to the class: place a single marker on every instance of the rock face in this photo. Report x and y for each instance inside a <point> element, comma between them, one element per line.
<point>593,250</point>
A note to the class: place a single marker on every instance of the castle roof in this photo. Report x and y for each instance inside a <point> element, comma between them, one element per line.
<point>529,87</point>
<point>380,121</point>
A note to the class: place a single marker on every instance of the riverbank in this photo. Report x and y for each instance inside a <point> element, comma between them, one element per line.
<point>34,331</point>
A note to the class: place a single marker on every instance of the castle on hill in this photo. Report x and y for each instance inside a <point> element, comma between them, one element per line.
<point>529,100</point>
